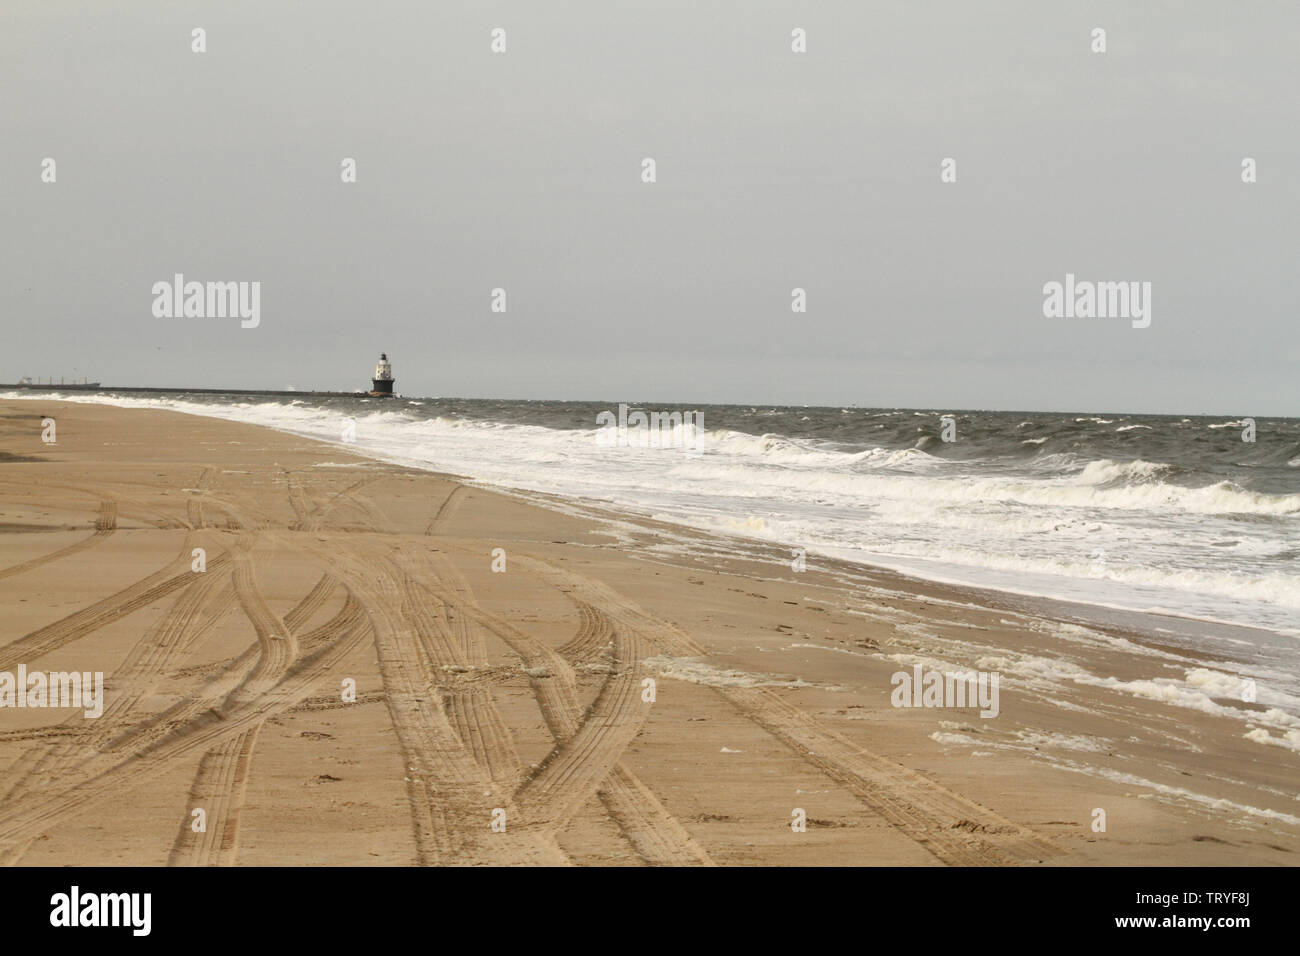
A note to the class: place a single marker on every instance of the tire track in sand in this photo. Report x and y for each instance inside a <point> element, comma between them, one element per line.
<point>194,504</point>
<point>221,779</point>
<point>219,787</point>
<point>105,525</point>
<point>150,656</point>
<point>197,609</point>
<point>954,829</point>
<point>130,762</point>
<point>455,647</point>
<point>450,505</point>
<point>311,511</point>
<point>452,647</point>
<point>586,755</point>
<point>77,625</point>
<point>154,652</point>
<point>137,676</point>
<point>450,795</point>
<point>957,831</point>
<point>589,745</point>
<point>140,508</point>
<point>595,636</point>
<point>276,642</point>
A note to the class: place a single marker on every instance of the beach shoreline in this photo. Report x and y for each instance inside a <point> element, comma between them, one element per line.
<point>520,689</point>
<point>1131,524</point>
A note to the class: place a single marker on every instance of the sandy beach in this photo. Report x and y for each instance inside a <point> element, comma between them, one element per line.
<point>379,665</point>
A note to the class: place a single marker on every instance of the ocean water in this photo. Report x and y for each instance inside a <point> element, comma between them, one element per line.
<point>1147,513</point>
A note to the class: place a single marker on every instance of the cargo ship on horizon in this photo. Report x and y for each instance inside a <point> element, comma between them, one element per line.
<point>26,382</point>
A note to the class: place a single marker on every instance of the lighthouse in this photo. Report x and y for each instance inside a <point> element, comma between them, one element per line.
<point>383,380</point>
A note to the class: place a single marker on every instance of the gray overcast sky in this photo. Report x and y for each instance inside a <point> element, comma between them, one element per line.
<point>775,170</point>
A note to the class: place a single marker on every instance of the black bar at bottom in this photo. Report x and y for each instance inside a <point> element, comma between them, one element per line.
<point>807,908</point>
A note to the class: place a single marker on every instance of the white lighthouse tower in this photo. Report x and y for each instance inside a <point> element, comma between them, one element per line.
<point>383,380</point>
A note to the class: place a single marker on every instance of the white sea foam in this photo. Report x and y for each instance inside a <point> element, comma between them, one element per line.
<point>694,670</point>
<point>1213,803</point>
<point>953,740</point>
<point>1290,740</point>
<point>1050,741</point>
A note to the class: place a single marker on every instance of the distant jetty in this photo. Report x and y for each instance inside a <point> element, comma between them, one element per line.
<point>187,391</point>
<point>381,387</point>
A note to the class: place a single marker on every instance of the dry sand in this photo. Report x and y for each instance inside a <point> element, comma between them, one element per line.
<point>519,695</point>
